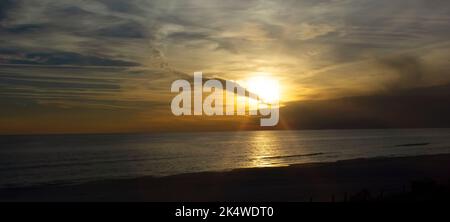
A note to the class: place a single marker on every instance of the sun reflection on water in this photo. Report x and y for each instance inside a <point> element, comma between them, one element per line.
<point>265,147</point>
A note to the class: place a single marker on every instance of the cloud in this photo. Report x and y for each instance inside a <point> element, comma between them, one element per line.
<point>412,108</point>
<point>5,6</point>
<point>188,36</point>
<point>211,31</point>
<point>15,57</point>
<point>23,29</point>
<point>125,30</point>
<point>87,87</point>
<point>409,71</point>
<point>122,6</point>
<point>310,31</point>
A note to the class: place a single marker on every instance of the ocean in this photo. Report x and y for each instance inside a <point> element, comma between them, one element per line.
<point>69,159</point>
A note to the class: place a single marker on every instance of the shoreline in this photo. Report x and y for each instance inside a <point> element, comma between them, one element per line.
<point>329,181</point>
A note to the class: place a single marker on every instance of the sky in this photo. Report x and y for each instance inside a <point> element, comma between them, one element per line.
<point>79,66</point>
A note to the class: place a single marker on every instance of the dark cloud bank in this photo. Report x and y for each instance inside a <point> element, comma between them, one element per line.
<point>408,108</point>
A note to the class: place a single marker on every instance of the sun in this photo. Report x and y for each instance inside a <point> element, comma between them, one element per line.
<point>266,87</point>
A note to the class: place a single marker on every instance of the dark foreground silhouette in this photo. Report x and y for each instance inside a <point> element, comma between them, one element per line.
<point>378,179</point>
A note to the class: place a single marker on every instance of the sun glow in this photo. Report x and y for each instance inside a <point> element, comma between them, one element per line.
<point>267,88</point>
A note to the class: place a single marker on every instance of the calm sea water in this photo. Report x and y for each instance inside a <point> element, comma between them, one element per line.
<point>32,160</point>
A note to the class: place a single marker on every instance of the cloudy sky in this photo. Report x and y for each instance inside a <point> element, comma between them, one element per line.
<point>107,65</point>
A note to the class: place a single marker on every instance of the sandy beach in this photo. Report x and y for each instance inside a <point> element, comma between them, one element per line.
<point>349,180</point>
